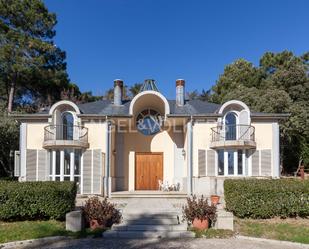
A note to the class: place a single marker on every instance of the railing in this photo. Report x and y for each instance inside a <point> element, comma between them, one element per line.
<point>64,132</point>
<point>233,132</point>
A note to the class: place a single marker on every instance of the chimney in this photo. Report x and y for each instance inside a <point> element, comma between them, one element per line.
<point>118,89</point>
<point>180,92</point>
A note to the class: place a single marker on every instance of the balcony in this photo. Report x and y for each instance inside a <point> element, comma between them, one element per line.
<point>233,136</point>
<point>62,136</point>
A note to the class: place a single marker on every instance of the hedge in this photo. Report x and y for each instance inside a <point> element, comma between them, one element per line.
<point>267,198</point>
<point>36,200</point>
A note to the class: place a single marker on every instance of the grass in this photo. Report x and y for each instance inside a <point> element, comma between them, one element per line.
<point>23,230</point>
<point>295,230</point>
<point>213,233</point>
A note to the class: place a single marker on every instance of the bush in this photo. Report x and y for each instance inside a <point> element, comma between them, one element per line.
<point>257,198</point>
<point>200,209</point>
<point>36,200</point>
<point>103,211</point>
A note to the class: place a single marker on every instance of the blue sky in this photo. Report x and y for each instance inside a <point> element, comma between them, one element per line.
<point>169,39</point>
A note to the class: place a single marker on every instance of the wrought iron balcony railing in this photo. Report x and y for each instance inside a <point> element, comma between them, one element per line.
<point>233,133</point>
<point>75,135</point>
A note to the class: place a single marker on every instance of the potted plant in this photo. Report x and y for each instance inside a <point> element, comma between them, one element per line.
<point>198,213</point>
<point>215,199</point>
<point>100,214</point>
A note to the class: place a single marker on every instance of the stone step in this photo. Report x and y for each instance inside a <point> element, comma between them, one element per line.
<point>159,215</point>
<point>148,194</point>
<point>121,227</point>
<point>153,221</point>
<point>148,234</point>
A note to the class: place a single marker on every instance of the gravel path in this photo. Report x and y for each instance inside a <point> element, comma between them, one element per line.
<point>232,243</point>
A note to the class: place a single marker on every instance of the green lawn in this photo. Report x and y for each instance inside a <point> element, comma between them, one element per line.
<point>295,230</point>
<point>214,233</point>
<point>23,230</point>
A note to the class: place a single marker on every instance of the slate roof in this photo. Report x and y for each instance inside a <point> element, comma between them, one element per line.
<point>106,107</point>
<point>191,107</point>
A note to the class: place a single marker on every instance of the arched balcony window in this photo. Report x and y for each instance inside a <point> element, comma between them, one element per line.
<point>68,126</point>
<point>230,126</point>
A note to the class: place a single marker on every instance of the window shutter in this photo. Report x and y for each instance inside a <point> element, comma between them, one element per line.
<point>87,158</point>
<point>201,162</point>
<point>17,163</point>
<point>244,131</point>
<point>42,165</point>
<point>266,162</point>
<point>97,172</point>
<point>255,163</point>
<point>211,155</point>
<point>31,165</point>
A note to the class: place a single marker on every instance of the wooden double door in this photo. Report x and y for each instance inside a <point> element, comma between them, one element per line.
<point>148,170</point>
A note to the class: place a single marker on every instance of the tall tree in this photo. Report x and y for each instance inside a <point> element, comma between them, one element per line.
<point>135,89</point>
<point>28,58</point>
<point>280,84</point>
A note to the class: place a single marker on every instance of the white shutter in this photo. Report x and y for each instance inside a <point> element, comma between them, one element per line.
<point>201,162</point>
<point>244,121</point>
<point>17,163</point>
<point>31,165</point>
<point>97,172</point>
<point>42,165</point>
<point>266,162</point>
<point>211,161</point>
<point>87,159</point>
<point>255,163</point>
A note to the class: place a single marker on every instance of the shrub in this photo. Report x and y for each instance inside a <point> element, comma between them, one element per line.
<point>265,198</point>
<point>200,209</point>
<point>103,211</point>
<point>36,200</point>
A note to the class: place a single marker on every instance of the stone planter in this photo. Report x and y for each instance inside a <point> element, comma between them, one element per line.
<point>200,224</point>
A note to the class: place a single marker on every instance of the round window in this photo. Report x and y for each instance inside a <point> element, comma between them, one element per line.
<point>148,122</point>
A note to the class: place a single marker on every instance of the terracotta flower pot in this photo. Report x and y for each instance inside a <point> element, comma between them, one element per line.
<point>215,199</point>
<point>200,224</point>
<point>94,224</point>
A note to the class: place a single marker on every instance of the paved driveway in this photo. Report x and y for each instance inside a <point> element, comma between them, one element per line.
<point>232,243</point>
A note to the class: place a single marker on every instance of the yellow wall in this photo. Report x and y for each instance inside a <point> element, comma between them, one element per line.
<point>263,135</point>
<point>35,135</point>
<point>201,140</point>
<point>96,135</point>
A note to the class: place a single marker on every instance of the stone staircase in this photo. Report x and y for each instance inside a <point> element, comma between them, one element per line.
<point>150,218</point>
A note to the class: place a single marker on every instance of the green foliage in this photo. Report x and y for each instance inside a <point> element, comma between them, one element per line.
<point>36,200</point>
<point>30,63</point>
<point>9,139</point>
<point>257,198</point>
<point>200,209</point>
<point>280,84</point>
<point>135,89</point>
<point>103,211</point>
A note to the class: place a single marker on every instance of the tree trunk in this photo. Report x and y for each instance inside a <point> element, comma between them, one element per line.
<point>11,97</point>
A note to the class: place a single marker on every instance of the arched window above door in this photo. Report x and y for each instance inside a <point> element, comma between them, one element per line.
<point>67,125</point>
<point>230,121</point>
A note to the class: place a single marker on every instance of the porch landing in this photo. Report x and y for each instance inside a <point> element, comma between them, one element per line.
<point>148,194</point>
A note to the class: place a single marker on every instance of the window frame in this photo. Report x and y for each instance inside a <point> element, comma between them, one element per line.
<point>235,152</point>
